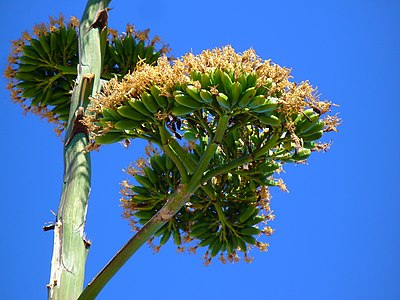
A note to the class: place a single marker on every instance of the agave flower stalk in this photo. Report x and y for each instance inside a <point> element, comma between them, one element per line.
<point>70,245</point>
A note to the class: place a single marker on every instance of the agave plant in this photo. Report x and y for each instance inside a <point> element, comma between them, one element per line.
<point>221,125</point>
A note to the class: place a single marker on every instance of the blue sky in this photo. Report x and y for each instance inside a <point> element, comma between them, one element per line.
<point>337,231</point>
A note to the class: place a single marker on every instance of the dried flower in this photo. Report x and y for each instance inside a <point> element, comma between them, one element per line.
<point>262,246</point>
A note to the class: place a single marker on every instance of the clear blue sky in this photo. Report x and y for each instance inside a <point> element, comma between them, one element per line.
<point>337,231</point>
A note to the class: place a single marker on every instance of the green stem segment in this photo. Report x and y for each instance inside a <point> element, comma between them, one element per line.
<point>223,169</point>
<point>165,146</point>
<point>70,246</point>
<point>172,206</point>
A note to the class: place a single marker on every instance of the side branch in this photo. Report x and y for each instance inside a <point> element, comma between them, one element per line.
<point>173,205</point>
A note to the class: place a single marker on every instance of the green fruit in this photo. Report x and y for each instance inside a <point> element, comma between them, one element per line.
<point>151,176</point>
<point>234,242</point>
<point>30,92</point>
<point>187,101</point>
<point>27,68</point>
<point>247,96</point>
<point>211,239</point>
<point>30,52</point>
<point>180,110</point>
<point>236,91</point>
<point>164,239</point>
<point>254,221</point>
<point>269,120</point>
<point>313,136</point>
<point>199,224</point>
<point>251,80</point>
<point>47,97</point>
<point>53,42</point>
<point>161,230</point>
<point>140,190</point>
<point>223,101</point>
<point>156,93</point>
<point>216,78</point>
<point>110,114</point>
<point>177,237</point>
<point>114,55</point>
<point>43,40</point>
<point>269,105</point>
<point>59,100</point>
<point>169,164</point>
<point>109,138</point>
<point>130,113</point>
<point>226,82</point>
<point>144,181</point>
<point>248,239</point>
<point>30,61</point>
<point>29,76</point>
<point>128,44</point>
<point>144,215</point>
<point>119,47</point>
<point>193,92</point>
<point>242,245</point>
<point>243,80</point>
<point>306,124</point>
<point>140,107</point>
<point>126,124</point>
<point>38,48</point>
<point>157,164</point>
<point>199,231</point>
<point>249,231</point>
<point>206,96</point>
<point>249,211</point>
<point>149,102</point>
<point>215,247</point>
<point>37,99</point>
<point>205,80</point>
<point>139,52</point>
<point>257,101</point>
<point>148,53</point>
<point>302,154</point>
<point>316,127</point>
<point>59,109</point>
<point>145,198</point>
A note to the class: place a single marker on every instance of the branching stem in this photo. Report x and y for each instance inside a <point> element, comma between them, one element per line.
<point>172,206</point>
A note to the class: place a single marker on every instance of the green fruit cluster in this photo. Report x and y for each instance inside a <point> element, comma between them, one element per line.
<point>150,194</point>
<point>266,124</point>
<point>124,52</point>
<point>132,119</point>
<point>45,68</point>
<point>217,94</point>
<point>186,101</point>
<point>309,126</point>
<point>221,93</point>
<point>225,217</point>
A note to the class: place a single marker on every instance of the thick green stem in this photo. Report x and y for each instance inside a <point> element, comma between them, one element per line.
<point>173,205</point>
<point>187,160</point>
<point>70,246</point>
<point>242,160</point>
<point>165,146</point>
<point>212,147</point>
<point>268,145</point>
